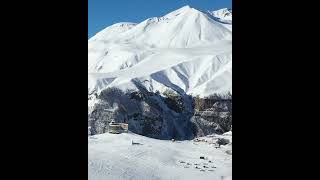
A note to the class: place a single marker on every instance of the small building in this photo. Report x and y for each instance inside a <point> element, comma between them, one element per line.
<point>117,128</point>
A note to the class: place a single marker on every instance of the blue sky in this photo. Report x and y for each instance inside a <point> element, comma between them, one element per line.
<point>103,13</point>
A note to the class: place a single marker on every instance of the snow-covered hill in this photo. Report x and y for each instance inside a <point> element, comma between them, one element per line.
<point>113,156</point>
<point>148,75</point>
<point>186,50</point>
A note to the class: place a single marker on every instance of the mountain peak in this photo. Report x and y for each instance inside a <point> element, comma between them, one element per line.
<point>182,10</point>
<point>185,7</point>
<point>187,48</point>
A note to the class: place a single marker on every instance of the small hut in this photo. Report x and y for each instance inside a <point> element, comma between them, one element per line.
<point>117,128</point>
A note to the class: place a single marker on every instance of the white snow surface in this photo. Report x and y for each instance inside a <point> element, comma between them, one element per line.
<point>112,156</point>
<point>224,15</point>
<point>186,50</point>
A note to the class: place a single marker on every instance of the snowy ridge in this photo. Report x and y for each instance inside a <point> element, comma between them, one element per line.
<point>222,14</point>
<point>111,30</point>
<point>186,50</point>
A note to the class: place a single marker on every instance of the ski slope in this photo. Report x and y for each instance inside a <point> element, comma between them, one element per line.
<point>186,50</point>
<point>112,156</point>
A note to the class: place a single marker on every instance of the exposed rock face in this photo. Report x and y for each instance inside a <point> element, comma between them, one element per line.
<point>217,119</point>
<point>166,116</point>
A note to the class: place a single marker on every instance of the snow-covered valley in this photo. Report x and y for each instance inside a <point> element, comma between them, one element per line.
<point>112,156</point>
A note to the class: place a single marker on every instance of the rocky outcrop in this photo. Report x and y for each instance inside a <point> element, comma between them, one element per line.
<point>163,116</point>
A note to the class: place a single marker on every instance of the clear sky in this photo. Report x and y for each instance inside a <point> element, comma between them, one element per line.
<point>103,13</point>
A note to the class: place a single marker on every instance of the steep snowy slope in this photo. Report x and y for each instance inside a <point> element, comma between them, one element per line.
<point>186,50</point>
<point>223,15</point>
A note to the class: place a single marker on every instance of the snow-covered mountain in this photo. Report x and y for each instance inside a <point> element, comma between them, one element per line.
<point>152,74</point>
<point>188,51</point>
<point>223,15</point>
